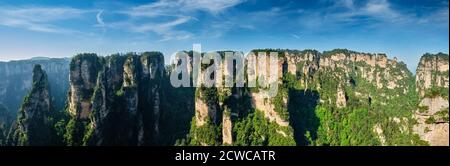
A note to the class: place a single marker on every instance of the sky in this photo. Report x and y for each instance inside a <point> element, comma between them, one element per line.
<point>405,29</point>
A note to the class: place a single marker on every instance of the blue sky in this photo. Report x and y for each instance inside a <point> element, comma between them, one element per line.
<point>61,28</point>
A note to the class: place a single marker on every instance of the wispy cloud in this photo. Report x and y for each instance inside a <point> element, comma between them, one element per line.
<point>164,29</point>
<point>40,19</point>
<point>100,19</point>
<point>164,16</point>
<point>436,17</point>
<point>295,36</point>
<point>379,10</point>
<point>181,7</point>
<point>370,14</point>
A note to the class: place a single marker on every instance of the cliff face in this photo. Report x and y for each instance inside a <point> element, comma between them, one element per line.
<point>83,78</point>
<point>341,83</point>
<point>337,97</point>
<point>351,84</point>
<point>118,98</point>
<point>17,81</point>
<point>432,72</point>
<point>34,126</point>
<point>350,68</point>
<point>432,112</point>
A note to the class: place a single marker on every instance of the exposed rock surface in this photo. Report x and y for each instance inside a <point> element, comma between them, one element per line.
<point>227,128</point>
<point>33,124</point>
<point>261,103</point>
<point>16,81</point>
<point>120,100</point>
<point>119,96</point>
<point>433,111</point>
<point>432,71</point>
<point>340,78</point>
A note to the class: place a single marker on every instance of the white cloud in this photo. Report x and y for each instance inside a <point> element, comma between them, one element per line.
<point>159,28</point>
<point>162,17</point>
<point>347,12</point>
<point>380,8</point>
<point>373,9</point>
<point>213,6</point>
<point>100,19</point>
<point>440,17</point>
<point>39,19</point>
<point>181,7</point>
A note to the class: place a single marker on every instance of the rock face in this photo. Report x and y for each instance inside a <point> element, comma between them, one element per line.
<point>341,99</point>
<point>83,77</point>
<point>33,124</point>
<point>345,79</point>
<point>268,108</point>
<point>227,127</point>
<point>432,113</point>
<point>119,97</point>
<point>432,71</point>
<point>338,79</point>
<point>432,118</point>
<point>371,67</point>
<point>205,112</point>
<point>16,81</point>
<point>337,97</point>
<point>221,107</point>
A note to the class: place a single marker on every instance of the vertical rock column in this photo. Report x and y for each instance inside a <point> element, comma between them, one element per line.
<point>34,127</point>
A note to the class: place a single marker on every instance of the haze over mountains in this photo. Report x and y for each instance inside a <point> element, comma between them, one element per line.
<point>337,97</point>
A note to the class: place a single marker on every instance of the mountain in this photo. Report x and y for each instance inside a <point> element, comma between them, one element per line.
<point>337,98</point>
<point>34,123</point>
<point>117,99</point>
<point>17,81</point>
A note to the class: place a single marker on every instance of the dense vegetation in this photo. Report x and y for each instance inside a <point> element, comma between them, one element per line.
<point>256,130</point>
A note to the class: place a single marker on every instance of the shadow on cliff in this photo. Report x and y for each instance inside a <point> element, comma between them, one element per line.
<point>177,114</point>
<point>303,119</point>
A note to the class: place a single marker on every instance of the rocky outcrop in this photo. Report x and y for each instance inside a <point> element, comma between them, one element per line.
<point>83,77</point>
<point>227,128</point>
<point>201,113</point>
<point>432,71</point>
<point>34,127</point>
<point>222,106</point>
<point>432,121</point>
<point>16,81</point>
<point>119,96</point>
<point>432,112</point>
<point>341,98</point>
<point>260,100</point>
<point>371,67</point>
<point>261,103</point>
<point>341,79</point>
<point>378,130</point>
<point>120,100</point>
